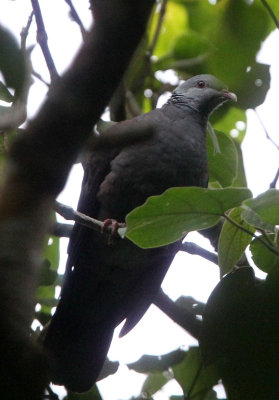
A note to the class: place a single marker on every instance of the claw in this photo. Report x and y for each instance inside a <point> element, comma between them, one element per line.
<point>111,226</point>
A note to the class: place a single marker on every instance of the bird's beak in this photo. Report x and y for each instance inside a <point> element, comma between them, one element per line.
<point>229,95</point>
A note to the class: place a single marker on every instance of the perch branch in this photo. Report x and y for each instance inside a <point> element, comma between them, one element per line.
<point>184,318</point>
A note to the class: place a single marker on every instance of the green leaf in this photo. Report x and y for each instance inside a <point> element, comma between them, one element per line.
<point>5,95</point>
<point>232,241</point>
<point>51,252</point>
<point>255,86</point>
<point>12,63</point>
<point>149,363</point>
<point>47,275</point>
<point>234,59</point>
<point>265,259</point>
<point>240,179</point>
<point>263,211</point>
<point>166,218</point>
<point>45,297</point>
<point>191,45</point>
<point>174,24</point>
<point>222,166</point>
<point>154,382</point>
<point>232,121</point>
<point>195,379</point>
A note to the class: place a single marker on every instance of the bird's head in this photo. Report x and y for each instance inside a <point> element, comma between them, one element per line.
<point>203,93</point>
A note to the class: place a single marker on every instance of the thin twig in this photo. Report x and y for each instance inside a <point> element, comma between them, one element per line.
<point>38,76</point>
<point>183,317</point>
<point>271,12</point>
<point>260,239</point>
<point>193,248</point>
<point>25,30</point>
<point>146,66</point>
<point>71,215</point>
<point>265,130</point>
<point>76,18</point>
<point>158,27</point>
<point>42,40</point>
<point>272,184</point>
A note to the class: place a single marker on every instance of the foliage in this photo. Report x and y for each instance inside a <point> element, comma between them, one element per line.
<point>191,37</point>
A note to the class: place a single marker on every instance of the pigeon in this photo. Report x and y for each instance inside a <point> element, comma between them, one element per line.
<point>107,283</point>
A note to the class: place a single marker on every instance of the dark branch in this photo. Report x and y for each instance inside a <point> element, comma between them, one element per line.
<point>33,180</point>
<point>265,130</point>
<point>76,18</point>
<point>183,317</point>
<point>275,180</point>
<point>193,248</point>
<point>158,27</point>
<point>61,230</point>
<point>42,40</point>
<point>25,31</point>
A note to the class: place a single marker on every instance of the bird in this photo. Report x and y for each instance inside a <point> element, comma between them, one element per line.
<point>107,283</point>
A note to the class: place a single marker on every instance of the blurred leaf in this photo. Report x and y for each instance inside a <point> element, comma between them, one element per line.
<point>195,379</point>
<point>166,218</point>
<point>232,119</point>
<point>232,241</point>
<point>264,258</point>
<point>51,251</point>
<point>92,394</point>
<point>149,363</point>
<point>255,86</point>
<point>189,49</point>
<point>234,61</point>
<point>190,45</point>
<point>174,24</point>
<point>45,297</point>
<point>42,317</point>
<point>47,275</point>
<point>5,95</point>
<point>222,166</point>
<point>154,382</point>
<point>262,211</point>
<point>240,179</point>
<point>109,368</point>
<point>12,63</point>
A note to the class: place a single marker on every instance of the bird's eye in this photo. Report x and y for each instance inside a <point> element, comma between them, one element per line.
<point>201,84</point>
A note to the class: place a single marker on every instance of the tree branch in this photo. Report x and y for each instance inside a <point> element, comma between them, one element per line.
<point>273,184</point>
<point>184,318</point>
<point>76,18</point>
<point>265,130</point>
<point>193,248</point>
<point>70,214</point>
<point>42,40</point>
<point>35,172</point>
<point>61,230</point>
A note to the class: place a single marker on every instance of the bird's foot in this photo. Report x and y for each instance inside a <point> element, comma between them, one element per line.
<point>111,226</point>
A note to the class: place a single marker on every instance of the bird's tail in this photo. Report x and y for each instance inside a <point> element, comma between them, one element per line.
<point>78,337</point>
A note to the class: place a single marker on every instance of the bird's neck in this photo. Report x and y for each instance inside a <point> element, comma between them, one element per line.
<point>190,108</point>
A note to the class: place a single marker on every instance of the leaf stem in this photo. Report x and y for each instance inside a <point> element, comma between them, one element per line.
<point>271,12</point>
<point>260,239</point>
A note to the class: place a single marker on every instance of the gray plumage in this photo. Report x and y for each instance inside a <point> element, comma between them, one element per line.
<point>106,284</point>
